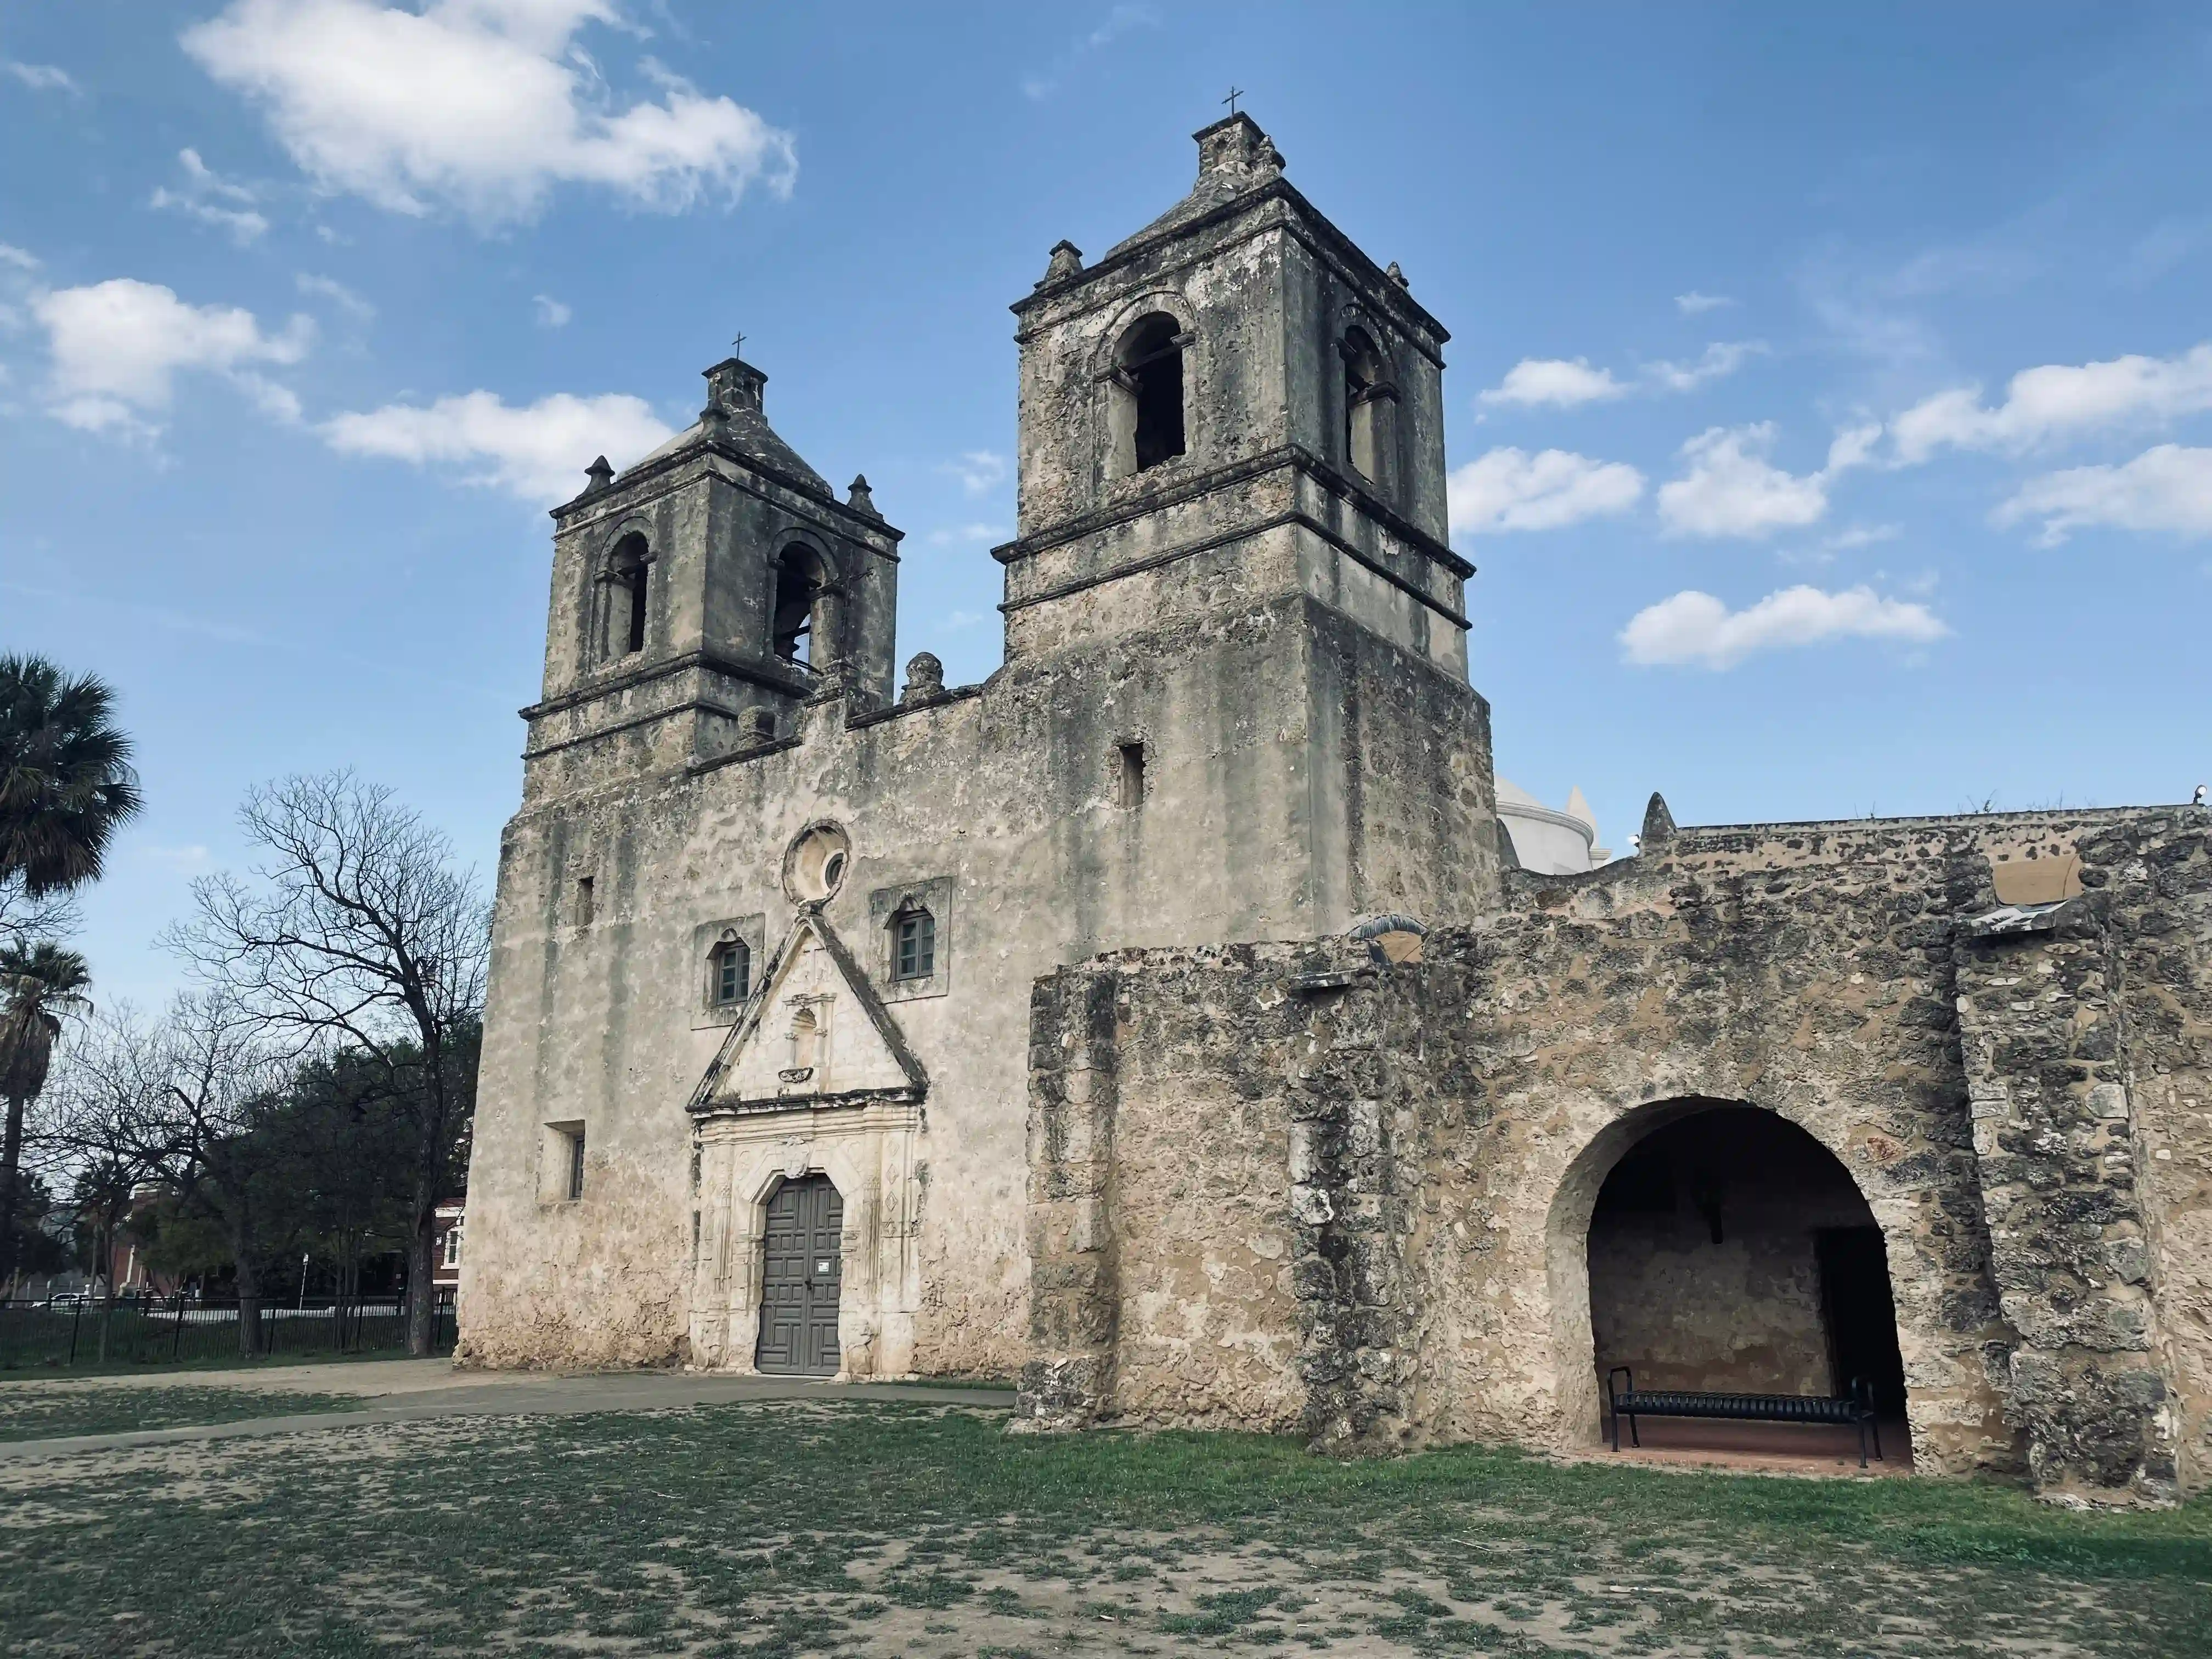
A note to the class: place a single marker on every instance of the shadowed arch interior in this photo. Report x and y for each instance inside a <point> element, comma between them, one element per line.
<point>1729,1251</point>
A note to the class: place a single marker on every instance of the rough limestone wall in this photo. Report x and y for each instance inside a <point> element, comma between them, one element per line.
<point>2155,879</point>
<point>2044,1065</point>
<point>1158,1200</point>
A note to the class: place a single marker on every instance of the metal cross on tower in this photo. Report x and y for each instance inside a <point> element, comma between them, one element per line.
<point>738,346</point>
<point>1235,93</point>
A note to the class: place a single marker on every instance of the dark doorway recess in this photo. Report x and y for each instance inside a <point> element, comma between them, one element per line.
<point>798,1284</point>
<point>1861,1318</point>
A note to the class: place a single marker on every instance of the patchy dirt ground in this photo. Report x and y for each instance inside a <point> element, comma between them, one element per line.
<point>894,1527</point>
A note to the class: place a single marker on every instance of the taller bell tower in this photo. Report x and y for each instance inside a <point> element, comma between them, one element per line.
<point>1233,493</point>
<point>1234,403</point>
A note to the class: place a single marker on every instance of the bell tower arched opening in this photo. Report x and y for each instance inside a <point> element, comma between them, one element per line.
<point>1145,411</point>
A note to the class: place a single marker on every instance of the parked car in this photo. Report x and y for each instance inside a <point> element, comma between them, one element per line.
<point>69,1299</point>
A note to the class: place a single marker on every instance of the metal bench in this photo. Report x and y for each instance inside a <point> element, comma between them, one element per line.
<point>1855,1410</point>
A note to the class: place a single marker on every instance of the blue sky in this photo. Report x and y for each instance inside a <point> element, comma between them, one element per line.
<point>1830,408</point>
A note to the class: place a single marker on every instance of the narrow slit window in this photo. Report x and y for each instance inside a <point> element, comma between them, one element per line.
<point>914,946</point>
<point>1130,792</point>
<point>639,580</point>
<point>1364,393</point>
<point>585,909</point>
<point>576,1162</point>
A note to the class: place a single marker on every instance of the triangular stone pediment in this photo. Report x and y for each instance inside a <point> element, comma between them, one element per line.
<point>814,1032</point>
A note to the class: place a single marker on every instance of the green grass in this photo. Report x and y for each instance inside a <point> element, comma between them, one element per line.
<point>896,1527</point>
<point>28,1412</point>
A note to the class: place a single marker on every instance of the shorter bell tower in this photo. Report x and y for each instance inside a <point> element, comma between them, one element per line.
<point>702,597</point>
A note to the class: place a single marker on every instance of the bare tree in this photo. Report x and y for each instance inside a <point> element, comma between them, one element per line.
<point>359,933</point>
<point>99,1128</point>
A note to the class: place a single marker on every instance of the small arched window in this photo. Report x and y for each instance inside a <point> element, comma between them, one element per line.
<point>729,973</point>
<point>914,943</point>
<point>624,587</point>
<point>1366,392</point>
<point>1146,411</point>
<point>799,589</point>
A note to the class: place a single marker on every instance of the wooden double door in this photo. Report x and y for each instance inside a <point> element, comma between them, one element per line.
<point>798,1285</point>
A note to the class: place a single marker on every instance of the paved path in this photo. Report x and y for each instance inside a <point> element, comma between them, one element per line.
<point>412,1390</point>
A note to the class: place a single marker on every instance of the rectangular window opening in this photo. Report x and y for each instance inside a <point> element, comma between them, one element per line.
<point>584,909</point>
<point>915,954</point>
<point>575,1138</point>
<point>1131,793</point>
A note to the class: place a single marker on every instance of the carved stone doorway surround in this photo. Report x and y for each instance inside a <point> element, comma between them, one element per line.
<point>869,1150</point>
<point>814,1077</point>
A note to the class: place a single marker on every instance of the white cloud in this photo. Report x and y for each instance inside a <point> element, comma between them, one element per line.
<point>482,104</point>
<point>1511,489</point>
<point>23,260</point>
<point>1558,382</point>
<point>979,471</point>
<point>1567,383</point>
<point>1722,359</point>
<point>118,346</point>
<point>43,78</point>
<point>2166,487</point>
<point>2057,401</point>
<point>1694,304</point>
<point>551,313</point>
<point>967,534</point>
<point>1697,628</point>
<point>1733,490</point>
<point>537,453</point>
<point>339,295</point>
<point>204,197</point>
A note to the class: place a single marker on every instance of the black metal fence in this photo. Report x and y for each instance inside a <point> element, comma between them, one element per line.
<point>68,1333</point>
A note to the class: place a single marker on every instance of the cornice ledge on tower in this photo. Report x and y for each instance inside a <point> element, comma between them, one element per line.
<point>1230,473</point>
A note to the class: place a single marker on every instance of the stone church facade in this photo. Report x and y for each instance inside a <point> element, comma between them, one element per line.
<point>1166,1021</point>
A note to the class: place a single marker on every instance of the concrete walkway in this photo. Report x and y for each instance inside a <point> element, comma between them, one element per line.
<point>412,1390</point>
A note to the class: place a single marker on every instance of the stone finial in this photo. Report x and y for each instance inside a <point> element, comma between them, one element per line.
<point>1396,275</point>
<point>733,385</point>
<point>600,474</point>
<point>1066,261</point>
<point>1658,823</point>
<point>1238,146</point>
<point>924,679</point>
<point>859,498</point>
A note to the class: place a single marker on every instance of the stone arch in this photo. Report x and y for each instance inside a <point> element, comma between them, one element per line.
<point>1574,1204</point>
<point>1146,324</point>
<point>805,601</point>
<point>621,593</point>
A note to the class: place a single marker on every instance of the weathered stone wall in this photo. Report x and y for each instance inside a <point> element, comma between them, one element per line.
<point>1159,1230</point>
<point>1452,1120</point>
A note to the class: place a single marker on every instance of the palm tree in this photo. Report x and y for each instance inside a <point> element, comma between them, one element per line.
<point>37,984</point>
<point>66,775</point>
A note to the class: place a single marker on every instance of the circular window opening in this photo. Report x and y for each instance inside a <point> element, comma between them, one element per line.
<point>815,867</point>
